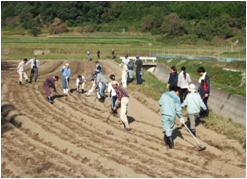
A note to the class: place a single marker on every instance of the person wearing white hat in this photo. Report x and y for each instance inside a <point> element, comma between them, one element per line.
<point>193,101</point>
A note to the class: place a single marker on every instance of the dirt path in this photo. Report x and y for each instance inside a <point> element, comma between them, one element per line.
<point>69,138</point>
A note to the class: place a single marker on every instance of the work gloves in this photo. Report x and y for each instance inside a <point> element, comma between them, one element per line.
<point>182,120</point>
<point>67,77</point>
<point>64,67</point>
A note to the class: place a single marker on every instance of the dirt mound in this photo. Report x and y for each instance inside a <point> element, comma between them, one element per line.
<point>69,138</point>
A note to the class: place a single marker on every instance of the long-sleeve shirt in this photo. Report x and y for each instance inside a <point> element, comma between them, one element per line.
<point>120,94</point>
<point>138,64</point>
<point>194,101</point>
<point>21,67</point>
<point>100,78</point>
<point>65,72</point>
<point>124,69</point>
<point>100,72</point>
<point>173,79</point>
<point>125,61</point>
<point>170,104</point>
<point>183,83</point>
<point>32,61</point>
<point>111,90</point>
<point>82,80</point>
<point>204,86</point>
<point>130,65</point>
<point>50,83</point>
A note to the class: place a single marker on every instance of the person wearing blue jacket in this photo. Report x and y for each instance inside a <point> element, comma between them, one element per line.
<point>101,68</point>
<point>204,89</point>
<point>194,102</point>
<point>65,77</point>
<point>170,108</point>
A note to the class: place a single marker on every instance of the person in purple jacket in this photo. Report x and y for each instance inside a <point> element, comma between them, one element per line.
<point>50,83</point>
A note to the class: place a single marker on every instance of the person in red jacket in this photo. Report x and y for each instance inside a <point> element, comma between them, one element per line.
<point>50,83</point>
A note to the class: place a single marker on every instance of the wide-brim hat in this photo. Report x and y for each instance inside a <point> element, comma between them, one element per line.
<point>192,88</point>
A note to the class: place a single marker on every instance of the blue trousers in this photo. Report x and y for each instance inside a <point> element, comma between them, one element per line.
<point>167,124</point>
<point>113,100</point>
<point>102,90</point>
<point>65,82</point>
<point>138,76</point>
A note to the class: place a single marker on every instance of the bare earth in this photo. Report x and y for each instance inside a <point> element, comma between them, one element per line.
<point>69,138</point>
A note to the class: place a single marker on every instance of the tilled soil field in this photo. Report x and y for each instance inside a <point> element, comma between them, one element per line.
<point>70,138</point>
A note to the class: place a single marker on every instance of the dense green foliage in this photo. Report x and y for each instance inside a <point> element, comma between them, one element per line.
<point>199,19</point>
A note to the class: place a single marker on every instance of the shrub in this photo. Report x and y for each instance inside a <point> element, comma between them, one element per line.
<point>58,29</point>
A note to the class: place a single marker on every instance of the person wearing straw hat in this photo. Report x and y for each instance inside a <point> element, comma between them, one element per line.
<point>193,101</point>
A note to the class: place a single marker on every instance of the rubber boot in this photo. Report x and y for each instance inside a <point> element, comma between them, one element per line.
<point>171,142</point>
<point>193,131</point>
<point>20,83</point>
<point>166,140</point>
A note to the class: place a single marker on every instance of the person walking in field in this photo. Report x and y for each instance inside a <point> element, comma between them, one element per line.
<point>139,65</point>
<point>112,94</point>
<point>98,54</point>
<point>124,74</point>
<point>21,71</point>
<point>101,68</point>
<point>130,68</point>
<point>50,83</point>
<point>204,89</point>
<point>183,82</point>
<point>88,56</point>
<point>194,101</point>
<point>123,100</point>
<point>172,79</point>
<point>100,79</point>
<point>170,107</point>
<point>65,77</point>
<point>126,59</point>
<point>34,68</point>
<point>80,83</point>
<point>112,54</point>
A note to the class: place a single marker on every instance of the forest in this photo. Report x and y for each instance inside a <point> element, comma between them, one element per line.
<point>170,19</point>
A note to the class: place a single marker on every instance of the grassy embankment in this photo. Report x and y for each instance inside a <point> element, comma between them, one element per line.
<point>75,47</point>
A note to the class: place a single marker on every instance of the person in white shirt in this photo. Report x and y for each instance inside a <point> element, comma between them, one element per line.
<point>34,68</point>
<point>184,81</point>
<point>126,60</point>
<point>21,71</point>
<point>112,94</point>
<point>124,75</point>
<point>80,83</point>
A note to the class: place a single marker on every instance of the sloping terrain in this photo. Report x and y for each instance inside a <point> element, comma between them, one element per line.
<point>69,138</point>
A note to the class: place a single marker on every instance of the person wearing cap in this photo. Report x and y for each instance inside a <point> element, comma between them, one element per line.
<point>123,100</point>
<point>50,83</point>
<point>130,69</point>
<point>112,54</point>
<point>98,53</point>
<point>124,74</point>
<point>65,77</point>
<point>204,89</point>
<point>93,87</point>
<point>170,108</point>
<point>88,56</point>
<point>194,102</point>
<point>126,59</point>
<point>34,68</point>
<point>21,71</point>
<point>139,65</point>
<point>100,79</point>
<point>99,65</point>
<point>112,94</point>
<point>80,83</point>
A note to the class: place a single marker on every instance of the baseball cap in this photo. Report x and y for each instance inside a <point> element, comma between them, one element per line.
<point>114,82</point>
<point>97,61</point>
<point>126,55</point>
<point>94,73</point>
<point>34,56</point>
<point>137,56</point>
<point>112,76</point>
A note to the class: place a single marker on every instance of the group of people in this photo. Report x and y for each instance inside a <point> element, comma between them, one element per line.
<point>98,54</point>
<point>183,93</point>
